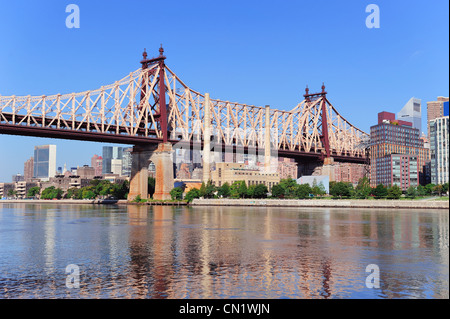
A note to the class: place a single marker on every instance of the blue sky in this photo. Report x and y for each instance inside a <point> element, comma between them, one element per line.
<point>254,52</point>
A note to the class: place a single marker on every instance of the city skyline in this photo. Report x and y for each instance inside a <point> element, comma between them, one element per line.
<point>373,67</point>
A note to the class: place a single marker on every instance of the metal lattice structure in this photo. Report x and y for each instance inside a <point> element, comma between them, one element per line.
<point>135,107</point>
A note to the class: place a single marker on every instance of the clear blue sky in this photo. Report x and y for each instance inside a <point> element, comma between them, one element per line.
<point>256,52</point>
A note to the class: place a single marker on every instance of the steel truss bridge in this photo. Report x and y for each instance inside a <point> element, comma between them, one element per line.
<point>153,105</point>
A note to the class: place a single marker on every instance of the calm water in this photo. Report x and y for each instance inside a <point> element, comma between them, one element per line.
<point>165,252</point>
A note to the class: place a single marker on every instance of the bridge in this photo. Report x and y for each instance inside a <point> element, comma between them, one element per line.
<point>154,110</point>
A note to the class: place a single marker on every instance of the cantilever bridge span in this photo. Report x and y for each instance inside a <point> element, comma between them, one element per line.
<point>153,106</point>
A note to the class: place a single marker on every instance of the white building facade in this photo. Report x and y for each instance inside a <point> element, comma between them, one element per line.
<point>439,144</point>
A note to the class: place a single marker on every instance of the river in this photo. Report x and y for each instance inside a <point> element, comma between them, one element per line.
<point>94,251</point>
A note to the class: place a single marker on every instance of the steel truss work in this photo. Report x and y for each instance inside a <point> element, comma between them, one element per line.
<point>136,107</point>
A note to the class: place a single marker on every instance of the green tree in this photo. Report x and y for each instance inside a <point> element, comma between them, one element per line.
<point>394,192</point>
<point>192,194</point>
<point>137,199</point>
<point>411,192</point>
<point>177,193</point>
<point>261,191</point>
<point>438,189</point>
<point>257,191</point>
<point>322,190</point>
<point>12,193</point>
<point>224,191</point>
<point>52,193</point>
<point>33,191</point>
<point>88,193</point>
<point>202,190</point>
<point>318,190</point>
<point>211,190</point>
<point>363,189</point>
<point>208,190</point>
<point>278,191</point>
<point>303,191</point>
<point>421,191</point>
<point>380,191</point>
<point>251,191</point>
<point>290,186</point>
<point>239,189</point>
<point>71,192</point>
<point>341,189</point>
<point>429,189</point>
<point>445,188</point>
<point>101,187</point>
<point>120,190</point>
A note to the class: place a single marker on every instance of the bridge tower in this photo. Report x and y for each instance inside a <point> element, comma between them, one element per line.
<point>327,160</point>
<point>162,155</point>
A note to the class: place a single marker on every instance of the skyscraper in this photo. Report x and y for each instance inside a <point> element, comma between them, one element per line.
<point>439,142</point>
<point>116,166</point>
<point>110,153</point>
<point>44,161</point>
<point>97,164</point>
<point>126,161</point>
<point>28,169</point>
<point>435,109</point>
<point>412,112</point>
<point>398,137</point>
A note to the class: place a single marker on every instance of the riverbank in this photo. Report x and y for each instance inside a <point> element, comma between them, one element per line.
<point>85,202</point>
<point>64,201</point>
<point>323,203</point>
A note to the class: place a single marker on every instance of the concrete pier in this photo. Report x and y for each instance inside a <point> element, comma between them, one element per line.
<point>162,157</point>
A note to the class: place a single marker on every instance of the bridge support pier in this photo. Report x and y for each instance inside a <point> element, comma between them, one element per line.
<point>328,161</point>
<point>162,157</point>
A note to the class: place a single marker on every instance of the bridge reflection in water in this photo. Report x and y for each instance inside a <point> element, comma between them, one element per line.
<point>221,252</point>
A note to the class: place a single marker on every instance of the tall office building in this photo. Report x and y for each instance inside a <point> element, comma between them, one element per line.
<point>391,136</point>
<point>126,161</point>
<point>28,169</point>
<point>412,112</point>
<point>116,166</point>
<point>110,153</point>
<point>435,109</point>
<point>439,142</point>
<point>97,164</point>
<point>44,161</point>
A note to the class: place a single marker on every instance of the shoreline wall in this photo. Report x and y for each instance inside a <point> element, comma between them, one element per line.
<point>396,204</point>
<point>406,204</point>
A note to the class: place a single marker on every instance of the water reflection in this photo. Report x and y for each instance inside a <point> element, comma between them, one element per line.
<point>221,252</point>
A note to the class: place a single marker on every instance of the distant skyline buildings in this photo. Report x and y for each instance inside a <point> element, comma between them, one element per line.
<point>28,169</point>
<point>97,164</point>
<point>397,169</point>
<point>435,109</point>
<point>109,153</point>
<point>126,161</point>
<point>393,136</point>
<point>412,112</point>
<point>439,142</point>
<point>44,161</point>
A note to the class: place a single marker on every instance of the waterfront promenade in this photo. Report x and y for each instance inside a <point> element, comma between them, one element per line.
<point>321,203</point>
<point>342,203</point>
